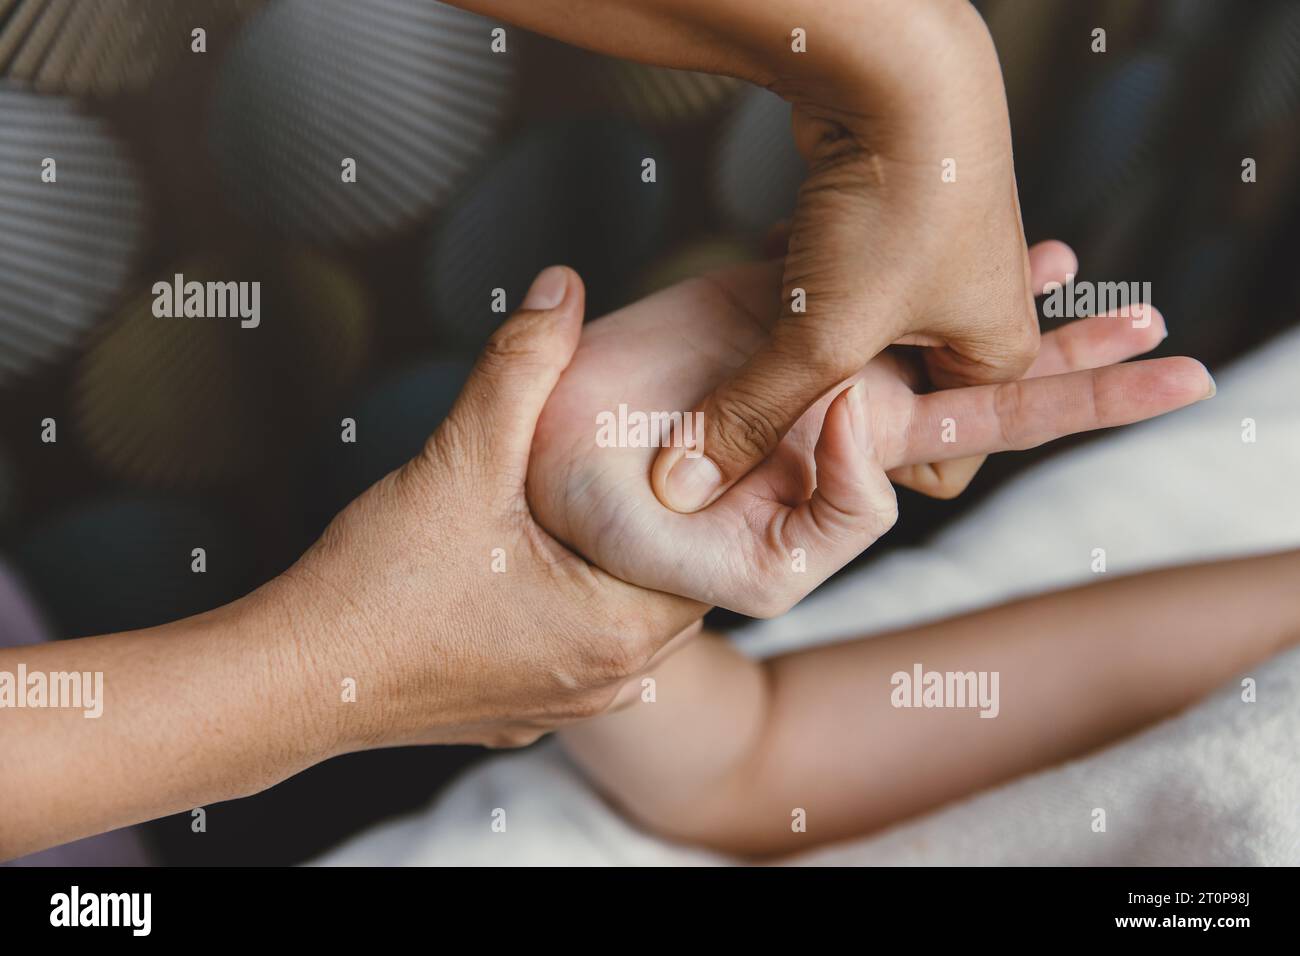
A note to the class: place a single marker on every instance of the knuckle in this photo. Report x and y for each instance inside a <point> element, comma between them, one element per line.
<point>1024,340</point>
<point>1009,409</point>
<point>599,661</point>
<point>461,444</point>
<point>828,360</point>
<point>744,428</point>
<point>885,515</point>
<point>512,343</point>
<point>586,707</point>
<point>614,661</point>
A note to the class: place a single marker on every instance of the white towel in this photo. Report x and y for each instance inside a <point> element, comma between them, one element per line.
<point>1216,785</point>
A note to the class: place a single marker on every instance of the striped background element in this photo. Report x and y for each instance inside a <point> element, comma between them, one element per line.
<point>656,96</point>
<point>569,192</point>
<point>202,402</point>
<point>66,246</point>
<point>757,169</point>
<point>410,89</point>
<point>103,47</point>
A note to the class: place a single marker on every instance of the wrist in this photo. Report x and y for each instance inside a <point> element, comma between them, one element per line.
<point>305,640</point>
<point>917,81</point>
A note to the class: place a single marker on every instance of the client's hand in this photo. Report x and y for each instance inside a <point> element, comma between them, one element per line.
<point>821,498</point>
<point>460,619</point>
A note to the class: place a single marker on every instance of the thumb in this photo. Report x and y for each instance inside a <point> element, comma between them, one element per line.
<point>812,348</point>
<point>498,409</point>
<point>745,419</point>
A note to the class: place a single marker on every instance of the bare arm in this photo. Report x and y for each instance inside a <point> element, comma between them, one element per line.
<point>394,629</point>
<point>876,42</point>
<point>731,747</point>
<point>192,713</point>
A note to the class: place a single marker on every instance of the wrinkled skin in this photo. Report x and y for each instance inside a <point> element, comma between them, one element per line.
<point>666,352</point>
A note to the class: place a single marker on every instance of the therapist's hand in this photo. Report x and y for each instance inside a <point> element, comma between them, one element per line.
<point>907,231</point>
<point>907,228</point>
<point>433,610</point>
<point>821,498</point>
<point>460,619</point>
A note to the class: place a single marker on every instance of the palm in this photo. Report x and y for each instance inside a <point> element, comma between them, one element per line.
<point>666,353</point>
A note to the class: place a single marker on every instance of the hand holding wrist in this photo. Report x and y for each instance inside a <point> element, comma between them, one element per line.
<point>451,616</point>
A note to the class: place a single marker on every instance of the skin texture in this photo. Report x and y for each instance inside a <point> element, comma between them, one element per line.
<point>820,492</point>
<point>730,746</point>
<point>884,247</point>
<point>399,595</point>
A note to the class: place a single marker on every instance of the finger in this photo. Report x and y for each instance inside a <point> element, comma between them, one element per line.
<point>1049,262</point>
<point>1100,340</point>
<point>1008,355</point>
<point>1000,355</point>
<point>499,406</point>
<point>984,419</point>
<point>1085,344</point>
<point>854,504</point>
<point>939,479</point>
<point>746,417</point>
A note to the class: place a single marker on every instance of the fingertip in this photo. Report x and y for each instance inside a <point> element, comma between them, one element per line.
<point>685,480</point>
<point>1153,319</point>
<point>1051,261</point>
<point>1180,379</point>
<point>549,289</point>
<point>1146,323</point>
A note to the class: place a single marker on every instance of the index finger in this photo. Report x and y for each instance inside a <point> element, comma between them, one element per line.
<point>1013,416</point>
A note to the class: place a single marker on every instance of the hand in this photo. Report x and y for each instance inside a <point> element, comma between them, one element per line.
<point>822,492</point>
<point>882,248</point>
<point>457,617</point>
<point>907,229</point>
<point>401,593</point>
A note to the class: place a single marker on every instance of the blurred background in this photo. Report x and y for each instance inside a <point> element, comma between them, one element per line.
<point>475,169</point>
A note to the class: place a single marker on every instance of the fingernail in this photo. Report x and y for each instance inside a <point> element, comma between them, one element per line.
<point>691,483</point>
<point>1214,389</point>
<point>547,290</point>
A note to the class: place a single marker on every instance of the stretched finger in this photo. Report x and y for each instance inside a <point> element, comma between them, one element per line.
<point>1013,416</point>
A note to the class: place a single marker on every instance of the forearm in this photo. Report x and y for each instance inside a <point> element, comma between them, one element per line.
<point>673,758</point>
<point>206,709</point>
<point>892,63</point>
<point>1076,669</point>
